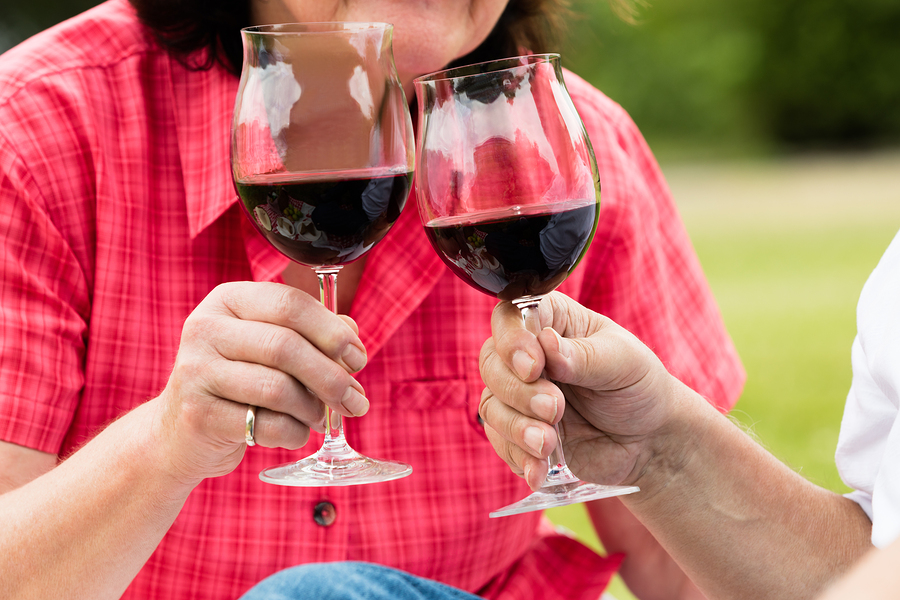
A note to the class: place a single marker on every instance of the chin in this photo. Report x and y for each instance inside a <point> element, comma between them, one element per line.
<point>416,61</point>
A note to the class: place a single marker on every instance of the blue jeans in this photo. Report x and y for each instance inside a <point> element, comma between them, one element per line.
<point>350,581</point>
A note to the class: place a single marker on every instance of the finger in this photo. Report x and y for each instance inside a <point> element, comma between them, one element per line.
<point>350,322</point>
<point>289,307</point>
<point>533,470</point>
<point>284,349</point>
<point>568,317</point>
<point>226,421</point>
<point>264,387</point>
<point>517,346</point>
<point>538,399</point>
<point>276,430</point>
<point>529,434</point>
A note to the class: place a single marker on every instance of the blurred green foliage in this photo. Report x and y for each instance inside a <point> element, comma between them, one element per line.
<point>830,69</point>
<point>22,19</point>
<point>747,74</point>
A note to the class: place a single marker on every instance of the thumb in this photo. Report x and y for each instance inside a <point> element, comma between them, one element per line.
<point>568,361</point>
<point>609,359</point>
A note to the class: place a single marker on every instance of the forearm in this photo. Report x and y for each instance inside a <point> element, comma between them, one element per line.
<point>84,529</point>
<point>876,577</point>
<point>739,522</point>
<point>647,569</point>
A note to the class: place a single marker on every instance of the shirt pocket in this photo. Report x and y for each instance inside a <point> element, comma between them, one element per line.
<point>440,395</point>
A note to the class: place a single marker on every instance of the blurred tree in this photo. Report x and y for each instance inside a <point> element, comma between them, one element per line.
<point>682,70</point>
<point>747,73</point>
<point>830,70</point>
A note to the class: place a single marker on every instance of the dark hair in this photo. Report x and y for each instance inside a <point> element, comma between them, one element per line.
<point>199,33</point>
<point>203,32</point>
<point>525,25</point>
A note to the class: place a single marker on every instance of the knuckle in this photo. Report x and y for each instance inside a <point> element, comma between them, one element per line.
<point>274,344</point>
<point>504,450</point>
<point>504,420</point>
<point>507,392</point>
<point>488,350</point>
<point>196,324</point>
<point>227,295</point>
<point>283,303</point>
<point>340,337</point>
<point>283,431</point>
<point>192,372</point>
<point>517,425</point>
<point>497,311</point>
<point>201,333</point>
<point>486,397</point>
<point>332,384</point>
<point>274,387</point>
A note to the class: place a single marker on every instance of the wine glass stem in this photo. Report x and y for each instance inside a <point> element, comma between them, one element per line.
<point>558,473</point>
<point>335,443</point>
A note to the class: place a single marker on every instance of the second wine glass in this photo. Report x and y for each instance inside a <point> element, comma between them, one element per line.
<point>509,194</point>
<point>322,158</point>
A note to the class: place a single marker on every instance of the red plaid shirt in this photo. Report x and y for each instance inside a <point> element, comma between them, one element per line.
<point>117,216</point>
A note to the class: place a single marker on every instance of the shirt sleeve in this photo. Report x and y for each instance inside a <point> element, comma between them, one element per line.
<point>864,431</point>
<point>43,314</point>
<point>641,269</point>
<point>868,449</point>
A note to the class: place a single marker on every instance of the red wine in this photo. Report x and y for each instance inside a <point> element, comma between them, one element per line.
<point>518,251</point>
<point>324,220</point>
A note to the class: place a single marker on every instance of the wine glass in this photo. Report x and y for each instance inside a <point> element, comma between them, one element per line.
<point>509,194</point>
<point>322,157</point>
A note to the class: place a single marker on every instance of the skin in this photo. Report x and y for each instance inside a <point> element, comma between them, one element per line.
<point>875,577</point>
<point>736,520</point>
<point>102,531</point>
<point>428,35</point>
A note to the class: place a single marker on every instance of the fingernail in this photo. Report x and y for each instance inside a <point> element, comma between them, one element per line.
<point>529,477</point>
<point>544,406</point>
<point>354,358</point>
<point>355,403</point>
<point>534,439</point>
<point>562,344</point>
<point>523,364</point>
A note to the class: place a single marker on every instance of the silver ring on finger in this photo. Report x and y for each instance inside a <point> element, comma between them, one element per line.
<point>251,425</point>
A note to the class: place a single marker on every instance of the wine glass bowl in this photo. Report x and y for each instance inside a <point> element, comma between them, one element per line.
<point>508,192</point>
<point>322,158</point>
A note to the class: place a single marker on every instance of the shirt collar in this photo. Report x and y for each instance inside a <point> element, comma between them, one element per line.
<point>203,104</point>
<point>401,270</point>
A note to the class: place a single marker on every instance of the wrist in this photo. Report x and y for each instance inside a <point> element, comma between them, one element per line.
<point>674,446</point>
<point>158,445</point>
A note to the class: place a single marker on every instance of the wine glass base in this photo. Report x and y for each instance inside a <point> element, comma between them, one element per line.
<point>321,470</point>
<point>562,495</point>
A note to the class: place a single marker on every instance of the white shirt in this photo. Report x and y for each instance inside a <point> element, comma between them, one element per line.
<point>868,451</point>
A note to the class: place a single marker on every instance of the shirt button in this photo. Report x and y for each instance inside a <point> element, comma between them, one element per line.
<point>324,514</point>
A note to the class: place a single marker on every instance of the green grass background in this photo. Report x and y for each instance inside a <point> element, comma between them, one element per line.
<point>786,246</point>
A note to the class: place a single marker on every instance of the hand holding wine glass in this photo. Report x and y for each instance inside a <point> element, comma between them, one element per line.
<point>509,194</point>
<point>322,158</point>
<point>610,394</point>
